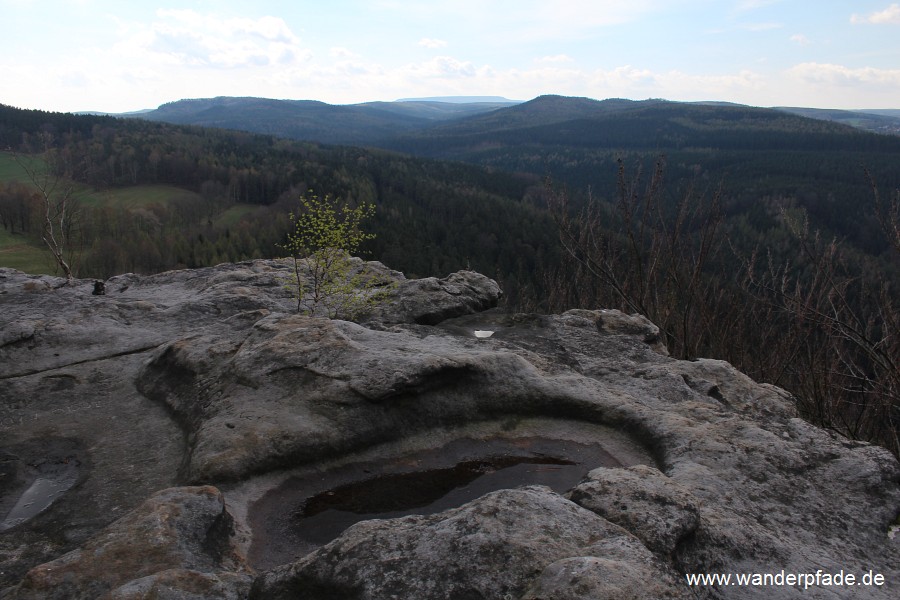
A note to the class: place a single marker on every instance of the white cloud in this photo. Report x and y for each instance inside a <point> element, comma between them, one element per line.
<point>444,66</point>
<point>342,53</point>
<point>556,59</point>
<point>191,53</point>
<point>678,85</point>
<point>432,43</point>
<point>530,21</point>
<point>890,15</point>
<point>839,75</point>
<point>273,29</point>
<point>624,78</point>
<point>187,37</point>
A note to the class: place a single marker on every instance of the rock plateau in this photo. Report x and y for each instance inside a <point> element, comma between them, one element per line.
<point>141,431</point>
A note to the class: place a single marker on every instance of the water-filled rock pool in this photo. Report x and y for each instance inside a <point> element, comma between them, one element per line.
<point>302,510</point>
<point>33,475</point>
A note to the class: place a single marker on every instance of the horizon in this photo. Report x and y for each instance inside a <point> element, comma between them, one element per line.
<point>471,99</point>
<point>455,100</point>
<point>102,56</point>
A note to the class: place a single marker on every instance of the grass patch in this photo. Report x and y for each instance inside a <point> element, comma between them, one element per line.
<point>10,170</point>
<point>27,253</point>
<point>135,196</point>
<point>18,252</point>
<point>234,214</point>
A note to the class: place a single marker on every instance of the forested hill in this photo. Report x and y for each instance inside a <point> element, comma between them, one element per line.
<point>643,125</point>
<point>368,123</point>
<point>762,155</point>
<point>379,122</point>
<point>772,155</point>
<point>157,196</point>
<point>448,215</point>
<point>878,121</point>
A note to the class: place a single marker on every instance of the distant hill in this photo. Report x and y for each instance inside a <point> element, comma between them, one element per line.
<point>552,109</point>
<point>558,122</point>
<point>463,100</point>
<point>296,119</point>
<point>544,110</point>
<point>464,127</point>
<point>383,123</point>
<point>810,157</point>
<point>757,153</point>
<point>100,113</point>
<point>810,154</point>
<point>165,196</point>
<point>355,124</point>
<point>878,121</point>
<point>887,112</point>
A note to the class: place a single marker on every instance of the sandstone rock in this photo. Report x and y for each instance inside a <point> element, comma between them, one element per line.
<point>359,386</point>
<point>178,528</point>
<point>659,511</point>
<point>210,377</point>
<point>184,584</point>
<point>616,322</point>
<point>16,331</point>
<point>493,547</point>
<point>14,282</point>
<point>610,577</point>
<point>431,300</point>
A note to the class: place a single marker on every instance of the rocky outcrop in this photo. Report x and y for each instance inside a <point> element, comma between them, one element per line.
<point>506,544</point>
<point>179,541</point>
<point>209,378</point>
<point>430,301</point>
<point>659,511</point>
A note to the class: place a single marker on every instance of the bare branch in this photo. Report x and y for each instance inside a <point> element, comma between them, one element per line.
<point>60,208</point>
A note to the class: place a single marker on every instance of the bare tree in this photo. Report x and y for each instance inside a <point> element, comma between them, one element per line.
<point>644,255</point>
<point>840,328</point>
<point>825,324</point>
<point>60,209</point>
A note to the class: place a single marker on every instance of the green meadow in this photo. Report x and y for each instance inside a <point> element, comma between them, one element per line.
<point>20,253</point>
<point>28,254</point>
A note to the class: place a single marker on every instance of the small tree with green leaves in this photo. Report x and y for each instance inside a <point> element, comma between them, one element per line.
<point>326,279</point>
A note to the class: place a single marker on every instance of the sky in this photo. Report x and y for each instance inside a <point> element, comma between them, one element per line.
<point>115,56</point>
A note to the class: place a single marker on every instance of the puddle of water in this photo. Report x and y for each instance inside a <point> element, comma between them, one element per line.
<point>43,491</point>
<point>307,512</point>
<point>327,515</point>
<point>421,488</point>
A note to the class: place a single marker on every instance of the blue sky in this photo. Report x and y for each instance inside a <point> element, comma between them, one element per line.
<point>116,56</point>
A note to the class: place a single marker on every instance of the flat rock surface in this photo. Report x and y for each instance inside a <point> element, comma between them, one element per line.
<point>209,378</point>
